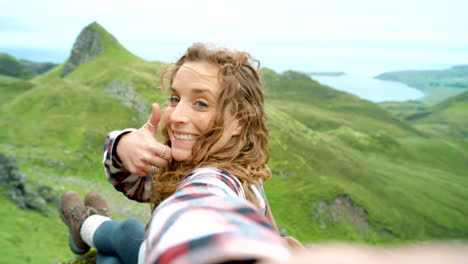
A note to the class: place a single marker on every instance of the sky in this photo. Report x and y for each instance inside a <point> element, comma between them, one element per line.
<point>369,36</point>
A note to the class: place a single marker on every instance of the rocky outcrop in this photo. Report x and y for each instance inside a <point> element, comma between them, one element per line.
<point>13,186</point>
<point>342,208</point>
<point>125,94</point>
<point>87,47</point>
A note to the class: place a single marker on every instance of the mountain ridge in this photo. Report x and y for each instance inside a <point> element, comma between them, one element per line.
<point>90,43</point>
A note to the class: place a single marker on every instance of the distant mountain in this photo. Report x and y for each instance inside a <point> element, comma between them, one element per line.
<point>93,41</point>
<point>23,69</point>
<point>10,66</point>
<point>38,67</point>
<point>437,84</point>
<point>326,73</point>
<point>343,168</point>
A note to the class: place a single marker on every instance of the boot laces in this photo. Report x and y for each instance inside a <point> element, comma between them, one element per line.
<point>78,214</point>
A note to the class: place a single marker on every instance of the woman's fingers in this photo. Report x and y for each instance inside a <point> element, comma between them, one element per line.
<point>139,150</point>
<point>143,160</point>
<point>165,152</point>
<point>158,162</point>
<point>153,155</point>
<point>160,151</point>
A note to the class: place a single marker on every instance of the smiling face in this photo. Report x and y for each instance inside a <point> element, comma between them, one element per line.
<point>192,108</point>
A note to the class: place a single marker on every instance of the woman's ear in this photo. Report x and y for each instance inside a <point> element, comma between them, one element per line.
<point>237,127</point>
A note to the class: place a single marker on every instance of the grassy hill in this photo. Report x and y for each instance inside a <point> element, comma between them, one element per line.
<point>10,87</point>
<point>438,85</point>
<point>23,69</point>
<point>322,108</point>
<point>10,66</point>
<point>344,169</point>
<point>406,108</point>
<point>446,119</point>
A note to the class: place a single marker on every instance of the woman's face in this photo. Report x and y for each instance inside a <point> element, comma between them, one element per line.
<point>192,108</point>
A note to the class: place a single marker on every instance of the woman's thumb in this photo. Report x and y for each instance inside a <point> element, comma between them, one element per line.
<point>153,121</point>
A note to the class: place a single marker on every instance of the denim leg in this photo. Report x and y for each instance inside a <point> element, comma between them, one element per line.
<point>105,259</point>
<point>121,239</point>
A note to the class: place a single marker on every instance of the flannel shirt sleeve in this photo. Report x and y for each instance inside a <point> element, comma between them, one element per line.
<point>133,186</point>
<point>208,220</point>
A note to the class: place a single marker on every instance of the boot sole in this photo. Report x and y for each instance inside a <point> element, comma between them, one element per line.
<point>71,242</point>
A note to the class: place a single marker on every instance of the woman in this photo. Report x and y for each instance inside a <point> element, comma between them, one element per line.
<point>214,125</point>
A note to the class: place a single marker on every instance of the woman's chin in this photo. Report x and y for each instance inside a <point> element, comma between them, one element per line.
<point>181,155</point>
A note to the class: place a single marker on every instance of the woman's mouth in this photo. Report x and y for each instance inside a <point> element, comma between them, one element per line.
<point>186,137</point>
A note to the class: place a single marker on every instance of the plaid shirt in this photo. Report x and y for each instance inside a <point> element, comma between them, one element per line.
<point>208,220</point>
<point>138,188</point>
<point>133,186</point>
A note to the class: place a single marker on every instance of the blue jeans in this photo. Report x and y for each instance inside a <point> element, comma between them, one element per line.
<point>118,242</point>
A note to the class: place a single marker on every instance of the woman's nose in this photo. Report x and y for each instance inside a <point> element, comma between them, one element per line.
<point>181,113</point>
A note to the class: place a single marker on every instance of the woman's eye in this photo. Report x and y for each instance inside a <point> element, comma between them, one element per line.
<point>201,104</point>
<point>173,100</point>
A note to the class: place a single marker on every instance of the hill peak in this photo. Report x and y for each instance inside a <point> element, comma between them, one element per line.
<point>89,44</point>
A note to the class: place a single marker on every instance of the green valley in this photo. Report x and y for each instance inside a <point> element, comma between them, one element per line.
<point>343,168</point>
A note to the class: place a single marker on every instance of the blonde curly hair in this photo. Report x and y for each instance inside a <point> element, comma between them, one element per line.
<point>242,93</point>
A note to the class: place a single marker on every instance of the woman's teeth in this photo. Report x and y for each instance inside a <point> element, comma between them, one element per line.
<point>185,137</point>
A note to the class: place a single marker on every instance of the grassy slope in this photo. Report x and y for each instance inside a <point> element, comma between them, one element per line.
<point>437,84</point>
<point>30,237</point>
<point>365,153</point>
<point>406,108</point>
<point>323,143</point>
<point>322,108</point>
<point>10,87</point>
<point>446,119</point>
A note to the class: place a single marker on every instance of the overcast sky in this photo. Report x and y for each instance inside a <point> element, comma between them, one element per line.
<point>138,24</point>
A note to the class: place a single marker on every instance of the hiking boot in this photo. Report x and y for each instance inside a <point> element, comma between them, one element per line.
<point>98,202</point>
<point>73,213</point>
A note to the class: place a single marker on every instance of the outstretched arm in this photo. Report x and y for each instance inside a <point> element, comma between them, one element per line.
<point>208,220</point>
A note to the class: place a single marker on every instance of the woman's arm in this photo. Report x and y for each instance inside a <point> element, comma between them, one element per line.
<point>208,220</point>
<point>133,186</point>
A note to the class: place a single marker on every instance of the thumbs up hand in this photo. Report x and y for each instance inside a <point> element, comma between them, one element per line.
<point>140,152</point>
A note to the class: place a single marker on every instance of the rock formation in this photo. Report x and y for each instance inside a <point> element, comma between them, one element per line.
<point>88,46</point>
<point>13,186</point>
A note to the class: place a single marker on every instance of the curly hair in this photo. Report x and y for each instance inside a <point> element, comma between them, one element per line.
<point>242,93</point>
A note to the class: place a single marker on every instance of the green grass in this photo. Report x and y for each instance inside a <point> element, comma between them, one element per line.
<point>30,237</point>
<point>406,108</point>
<point>394,180</point>
<point>10,87</point>
<point>323,143</point>
<point>446,119</point>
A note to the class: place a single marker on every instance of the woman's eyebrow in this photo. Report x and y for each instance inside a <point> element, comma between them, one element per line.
<point>201,90</point>
<point>195,90</point>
